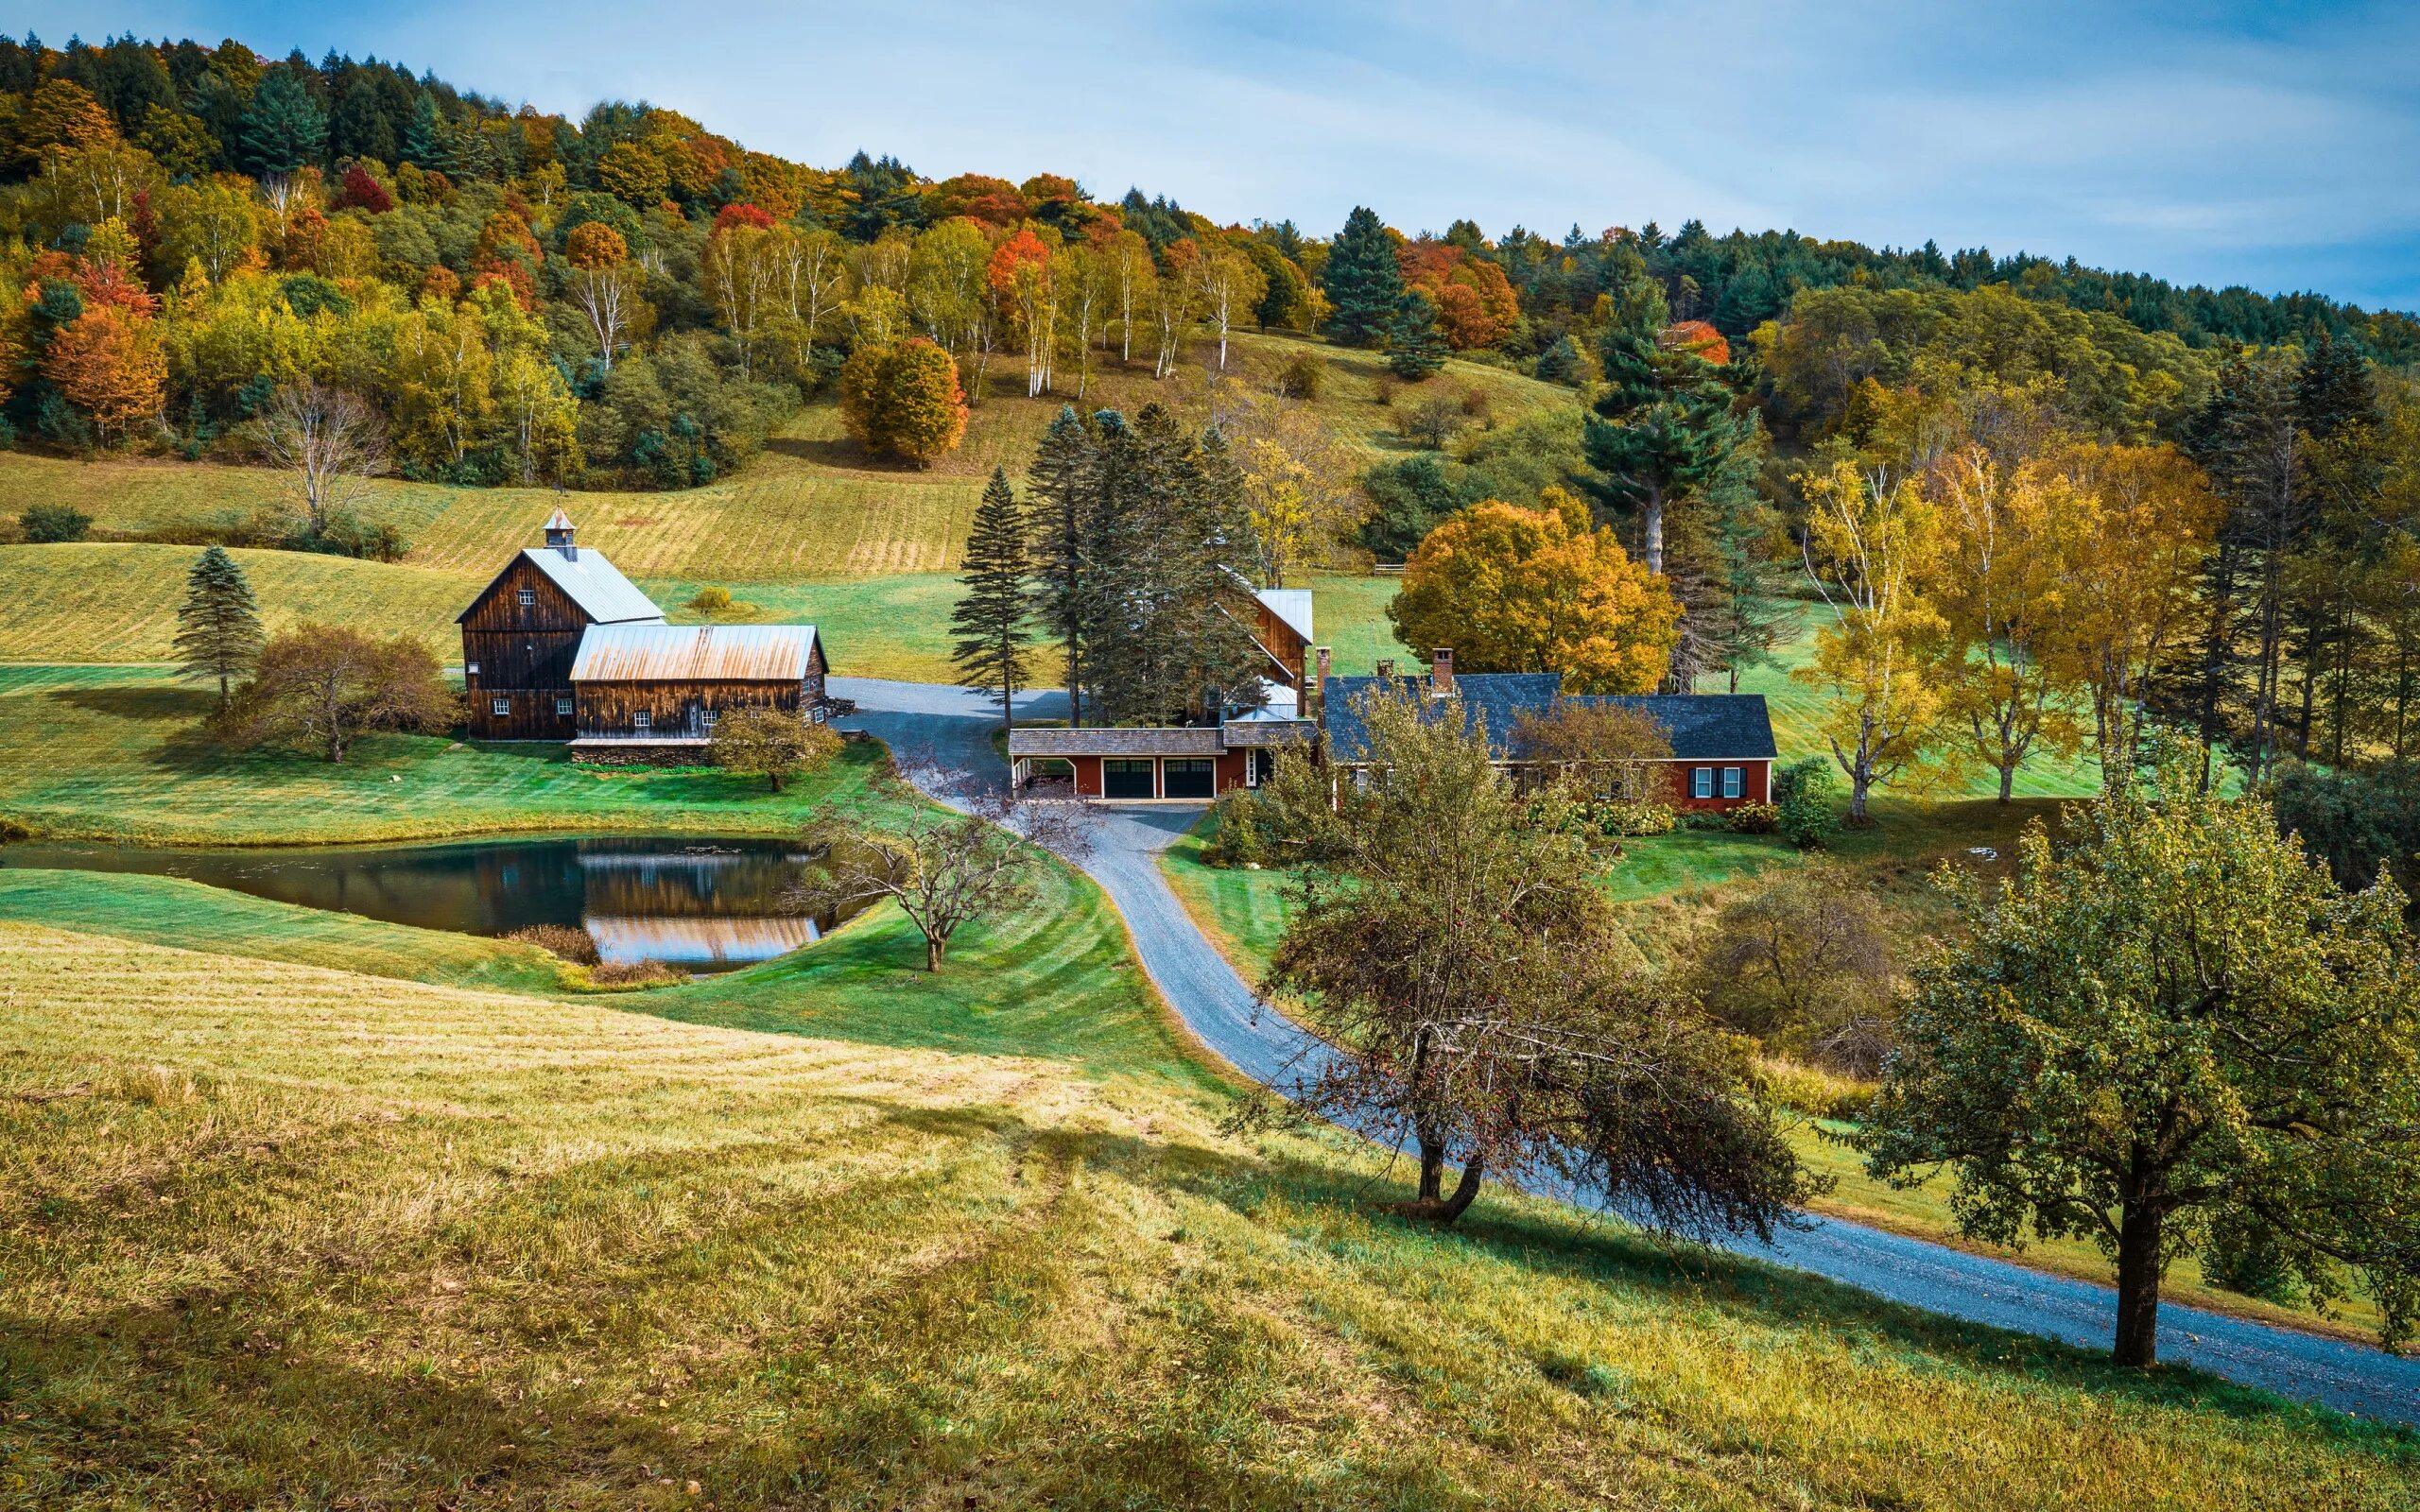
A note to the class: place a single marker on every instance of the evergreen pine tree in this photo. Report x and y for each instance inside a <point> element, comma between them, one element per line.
<point>1415,349</point>
<point>1362,279</point>
<point>427,142</point>
<point>990,621</point>
<point>1059,494</point>
<point>283,127</point>
<point>218,628</point>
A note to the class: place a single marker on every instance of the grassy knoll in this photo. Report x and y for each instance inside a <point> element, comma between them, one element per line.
<point>276,1230</point>
<point>115,753</point>
<point>811,506</point>
<point>100,602</point>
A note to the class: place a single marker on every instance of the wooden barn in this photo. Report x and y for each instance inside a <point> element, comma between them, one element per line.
<point>562,646</point>
<point>655,692</point>
<point>521,635</point>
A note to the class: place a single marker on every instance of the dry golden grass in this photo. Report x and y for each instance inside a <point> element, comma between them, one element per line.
<point>279,1234</point>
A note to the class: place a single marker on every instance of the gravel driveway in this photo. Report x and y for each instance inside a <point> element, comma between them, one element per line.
<point>953,728</point>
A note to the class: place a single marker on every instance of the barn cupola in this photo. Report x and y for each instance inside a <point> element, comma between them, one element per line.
<point>558,534</point>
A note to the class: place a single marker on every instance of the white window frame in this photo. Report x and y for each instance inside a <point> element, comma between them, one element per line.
<point>562,705</point>
<point>708,716</point>
<point>1733,785</point>
<point>1700,781</point>
<point>499,706</point>
<point>470,669</point>
<point>528,598</point>
<point>642,720</point>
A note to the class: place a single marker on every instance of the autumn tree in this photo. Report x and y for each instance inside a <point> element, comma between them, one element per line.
<point>604,284</point>
<point>1606,748</point>
<point>1230,287</point>
<point>1806,965</point>
<point>1869,539</point>
<point>777,745</point>
<point>1452,951</point>
<point>1022,279</point>
<point>110,363</point>
<point>324,686</point>
<point>903,401</point>
<point>2174,1036</point>
<point>2009,548</point>
<point>1514,590</point>
<point>942,867</point>
<point>218,625</point>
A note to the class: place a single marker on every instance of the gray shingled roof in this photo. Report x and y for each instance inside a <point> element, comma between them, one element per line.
<point>1704,726</point>
<point>1200,739</point>
<point>1497,697</point>
<point>595,585</point>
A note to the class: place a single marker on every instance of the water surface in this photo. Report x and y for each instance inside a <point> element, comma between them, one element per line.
<point>702,905</point>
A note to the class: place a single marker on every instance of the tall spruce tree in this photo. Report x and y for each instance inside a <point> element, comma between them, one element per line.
<point>992,621</point>
<point>1415,348</point>
<point>1060,490</point>
<point>427,141</point>
<point>1362,280</point>
<point>218,627</point>
<point>283,127</point>
<point>1662,429</point>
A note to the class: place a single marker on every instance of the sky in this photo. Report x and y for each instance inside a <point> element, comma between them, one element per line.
<point>2272,146</point>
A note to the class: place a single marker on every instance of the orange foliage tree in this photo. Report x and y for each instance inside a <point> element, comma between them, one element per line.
<point>110,364</point>
<point>1514,590</point>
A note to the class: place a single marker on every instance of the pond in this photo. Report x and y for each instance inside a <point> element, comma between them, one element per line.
<point>701,906</point>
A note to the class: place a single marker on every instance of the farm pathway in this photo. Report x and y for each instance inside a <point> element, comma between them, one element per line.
<point>950,730</point>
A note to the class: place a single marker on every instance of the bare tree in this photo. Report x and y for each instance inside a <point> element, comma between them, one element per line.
<point>944,867</point>
<point>329,443</point>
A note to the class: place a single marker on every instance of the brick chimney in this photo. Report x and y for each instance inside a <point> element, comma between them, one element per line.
<point>1441,672</point>
<point>558,534</point>
<point>1317,702</point>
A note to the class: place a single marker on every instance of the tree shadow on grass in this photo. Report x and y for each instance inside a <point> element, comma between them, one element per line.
<point>144,703</point>
<point>1570,1245</point>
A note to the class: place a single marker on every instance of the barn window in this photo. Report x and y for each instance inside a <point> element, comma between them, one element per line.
<point>1700,781</point>
<point>642,720</point>
<point>499,706</point>
<point>471,669</point>
<point>1730,782</point>
<point>529,597</point>
<point>563,706</point>
<point>708,716</point>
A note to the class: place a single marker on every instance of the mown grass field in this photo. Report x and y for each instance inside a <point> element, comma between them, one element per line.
<point>811,506</point>
<point>277,1233</point>
<point>116,753</point>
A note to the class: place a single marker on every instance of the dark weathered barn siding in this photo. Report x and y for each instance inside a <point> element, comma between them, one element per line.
<point>673,708</point>
<point>524,655</point>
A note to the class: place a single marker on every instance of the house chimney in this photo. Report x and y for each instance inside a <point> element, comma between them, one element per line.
<point>1318,700</point>
<point>1386,669</point>
<point>1441,672</point>
<point>558,534</point>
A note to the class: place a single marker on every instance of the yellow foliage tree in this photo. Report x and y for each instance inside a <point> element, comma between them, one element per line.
<point>1514,590</point>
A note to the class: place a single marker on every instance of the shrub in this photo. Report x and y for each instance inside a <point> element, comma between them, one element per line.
<point>1303,377</point>
<point>634,973</point>
<point>1632,817</point>
<point>52,524</point>
<point>774,743</point>
<point>1382,391</point>
<point>1753,818</point>
<point>1237,838</point>
<point>1816,1092</point>
<point>711,600</point>
<point>1433,421</point>
<point>1803,795</point>
<point>1478,406</point>
<point>573,945</point>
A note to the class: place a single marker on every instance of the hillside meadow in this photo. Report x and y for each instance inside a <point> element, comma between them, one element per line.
<point>831,1231</point>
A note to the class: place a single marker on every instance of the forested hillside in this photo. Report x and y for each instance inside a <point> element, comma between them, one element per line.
<point>631,300</point>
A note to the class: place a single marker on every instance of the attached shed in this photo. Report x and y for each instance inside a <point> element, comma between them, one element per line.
<point>665,686</point>
<point>1173,763</point>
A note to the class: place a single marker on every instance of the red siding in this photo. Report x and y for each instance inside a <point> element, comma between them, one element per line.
<point>1756,784</point>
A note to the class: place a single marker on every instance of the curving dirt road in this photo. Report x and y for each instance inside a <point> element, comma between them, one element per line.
<point>951,729</point>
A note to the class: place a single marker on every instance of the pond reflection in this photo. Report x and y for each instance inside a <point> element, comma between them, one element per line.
<point>702,905</point>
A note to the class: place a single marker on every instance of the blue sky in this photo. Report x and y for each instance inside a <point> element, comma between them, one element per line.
<point>2272,145</point>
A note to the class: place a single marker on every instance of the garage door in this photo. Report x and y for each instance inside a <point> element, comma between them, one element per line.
<point>1187,777</point>
<point>1126,778</point>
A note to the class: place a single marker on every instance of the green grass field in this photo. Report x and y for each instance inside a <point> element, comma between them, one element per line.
<point>287,1234</point>
<point>115,753</point>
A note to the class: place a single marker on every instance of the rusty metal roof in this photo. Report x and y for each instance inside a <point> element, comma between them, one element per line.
<point>694,653</point>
